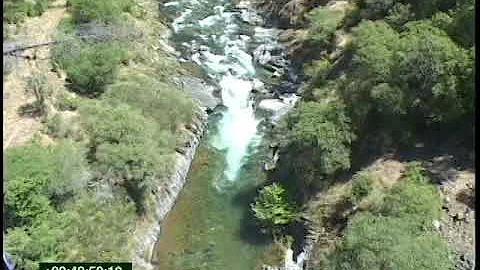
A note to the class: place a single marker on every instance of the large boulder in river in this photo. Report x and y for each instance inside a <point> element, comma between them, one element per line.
<point>277,107</point>
<point>199,90</point>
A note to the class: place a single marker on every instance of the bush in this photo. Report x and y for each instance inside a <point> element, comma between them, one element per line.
<point>37,84</point>
<point>165,103</point>
<point>361,186</point>
<point>399,235</point>
<point>377,242</point>
<point>318,70</point>
<point>60,169</point>
<point>89,66</point>
<point>272,207</point>
<point>413,197</point>
<point>30,245</point>
<point>57,127</point>
<point>66,103</point>
<point>90,228</point>
<point>127,149</point>
<point>26,203</point>
<point>324,23</point>
<point>84,11</point>
<point>97,229</point>
<point>326,127</point>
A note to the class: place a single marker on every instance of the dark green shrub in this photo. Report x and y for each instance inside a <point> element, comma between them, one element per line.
<point>89,66</point>
<point>375,9</point>
<point>361,186</point>
<point>38,8</point>
<point>463,23</point>
<point>127,149</point>
<point>25,201</point>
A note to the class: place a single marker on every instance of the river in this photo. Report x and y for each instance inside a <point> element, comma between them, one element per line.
<point>210,226</point>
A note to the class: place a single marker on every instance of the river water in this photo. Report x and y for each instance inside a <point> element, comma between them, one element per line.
<point>210,227</point>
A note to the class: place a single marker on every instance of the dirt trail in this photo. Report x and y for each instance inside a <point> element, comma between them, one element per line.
<point>18,129</point>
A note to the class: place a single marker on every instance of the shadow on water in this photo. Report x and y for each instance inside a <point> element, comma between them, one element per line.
<point>252,179</point>
<point>249,230</point>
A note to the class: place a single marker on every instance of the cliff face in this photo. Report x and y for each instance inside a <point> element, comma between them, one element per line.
<point>167,193</point>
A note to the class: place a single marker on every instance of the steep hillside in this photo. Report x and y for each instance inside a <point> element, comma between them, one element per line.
<point>388,83</point>
<point>100,129</point>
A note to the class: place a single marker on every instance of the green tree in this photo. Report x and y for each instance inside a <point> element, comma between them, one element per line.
<point>127,149</point>
<point>429,71</point>
<point>399,15</point>
<point>272,207</point>
<point>463,24</point>
<point>89,66</point>
<point>375,9</point>
<point>326,127</point>
<point>25,202</point>
<point>374,44</point>
<point>426,8</point>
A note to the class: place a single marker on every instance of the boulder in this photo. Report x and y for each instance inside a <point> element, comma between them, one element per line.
<point>277,107</point>
<point>199,90</point>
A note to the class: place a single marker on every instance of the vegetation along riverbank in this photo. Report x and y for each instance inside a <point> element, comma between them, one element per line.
<point>379,152</point>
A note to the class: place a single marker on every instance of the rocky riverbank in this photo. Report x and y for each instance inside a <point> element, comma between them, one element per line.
<point>164,196</point>
<point>167,193</point>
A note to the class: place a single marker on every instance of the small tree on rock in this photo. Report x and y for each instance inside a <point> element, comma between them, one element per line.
<point>272,208</point>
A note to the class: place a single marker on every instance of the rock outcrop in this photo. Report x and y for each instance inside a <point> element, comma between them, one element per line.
<point>200,90</point>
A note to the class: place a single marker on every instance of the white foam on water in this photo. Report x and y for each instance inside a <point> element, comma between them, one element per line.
<point>234,70</point>
<point>177,24</point>
<point>238,126</point>
<point>209,21</point>
<point>243,58</point>
<point>173,3</point>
